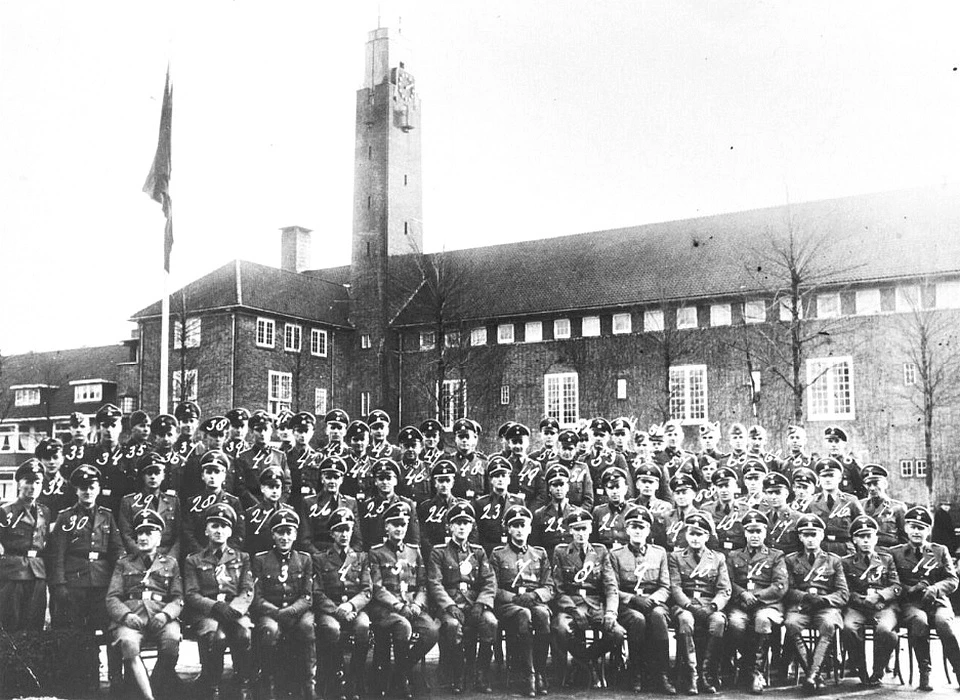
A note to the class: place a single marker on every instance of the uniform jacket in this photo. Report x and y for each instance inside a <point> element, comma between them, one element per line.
<point>341,577</point>
<point>490,531</point>
<point>118,476</point>
<point>84,547</point>
<point>824,576</point>
<point>675,532</point>
<point>24,539</point>
<point>871,573</point>
<point>398,576</point>
<point>194,537</point>
<point>166,505</point>
<point>580,491</point>
<point>782,530</point>
<point>584,582</point>
<point>370,520</point>
<point>460,576</point>
<point>432,515</point>
<point>384,450</point>
<point>358,481</point>
<point>851,482</point>
<point>889,514</point>
<point>548,529</point>
<point>303,465</point>
<point>838,518</point>
<point>706,581</point>
<point>191,481</point>
<point>522,570</point>
<point>470,481</point>
<point>56,493</point>
<point>933,566</point>
<point>314,534</point>
<point>209,578</point>
<point>234,446</point>
<point>258,536</point>
<point>173,475</point>
<point>609,528</point>
<point>415,481</point>
<point>763,573</point>
<point>250,463</point>
<point>282,582</point>
<point>144,590</point>
<point>641,571</point>
<point>727,517</point>
<point>526,476</point>
<point>791,461</point>
<point>74,454</point>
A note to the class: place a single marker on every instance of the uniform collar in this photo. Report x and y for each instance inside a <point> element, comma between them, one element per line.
<point>518,550</point>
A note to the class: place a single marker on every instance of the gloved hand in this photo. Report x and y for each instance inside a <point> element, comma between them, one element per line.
<point>221,611</point>
<point>415,610</point>
<point>643,603</point>
<point>928,596</point>
<point>157,622</point>
<point>285,616</point>
<point>609,620</point>
<point>456,613</point>
<point>526,600</point>
<point>749,600</point>
<point>476,611</point>
<point>405,612</point>
<point>133,622</point>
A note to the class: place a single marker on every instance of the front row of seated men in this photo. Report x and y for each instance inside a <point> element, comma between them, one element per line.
<point>460,596</point>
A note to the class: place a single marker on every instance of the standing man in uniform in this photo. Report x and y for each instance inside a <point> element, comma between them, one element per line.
<point>836,508</point>
<point>256,519</point>
<point>850,481</point>
<point>55,493</point>
<point>609,525</point>
<point>432,431</point>
<point>372,526</point>
<point>302,459</point>
<point>549,522</point>
<point>547,452</point>
<point>213,466</point>
<point>432,514</point>
<point>152,469</point>
<point>358,481</point>
<point>335,424</point>
<point>256,458</point>
<point>579,481</point>
<point>118,475</point>
<point>315,534</point>
<point>470,482</point>
<point>187,414</point>
<point>781,518</point>
<point>237,437</point>
<point>797,455</point>
<point>490,509</point>
<point>24,524</point>
<point>726,513</point>
<point>75,451</point>
<point>888,512</point>
<point>380,447</point>
<point>415,481</point>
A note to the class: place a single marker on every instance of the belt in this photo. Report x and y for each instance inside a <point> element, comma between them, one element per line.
<point>31,553</point>
<point>463,586</point>
<point>149,595</point>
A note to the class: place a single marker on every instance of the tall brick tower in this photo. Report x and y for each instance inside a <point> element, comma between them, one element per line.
<point>387,210</point>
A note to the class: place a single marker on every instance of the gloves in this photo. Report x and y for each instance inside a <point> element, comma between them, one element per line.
<point>749,600</point>
<point>526,600</point>
<point>476,611</point>
<point>609,620</point>
<point>643,603</point>
<point>157,622</point>
<point>284,616</point>
<point>415,610</point>
<point>221,611</point>
<point>405,612</point>
<point>928,596</point>
<point>133,622</point>
<point>456,613</point>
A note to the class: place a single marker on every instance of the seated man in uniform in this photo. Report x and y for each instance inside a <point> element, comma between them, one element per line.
<point>587,598</point>
<point>218,591</point>
<point>524,589</point>
<point>144,599</point>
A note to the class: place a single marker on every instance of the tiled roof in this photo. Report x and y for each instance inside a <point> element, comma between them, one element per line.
<point>873,237</point>
<point>242,284</point>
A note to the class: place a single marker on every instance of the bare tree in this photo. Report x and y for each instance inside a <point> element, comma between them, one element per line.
<point>929,340</point>
<point>670,345</point>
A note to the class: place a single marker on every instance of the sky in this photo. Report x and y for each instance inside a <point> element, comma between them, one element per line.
<point>538,119</point>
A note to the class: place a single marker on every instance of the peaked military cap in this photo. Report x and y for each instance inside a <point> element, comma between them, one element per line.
<point>238,416</point>
<point>466,424</point>
<point>152,461</point>
<point>221,512</point>
<point>272,476</point>
<point>577,516</point>
<point>260,420</point>
<point>337,415</point>
<point>517,512</point>
<point>31,470</point>
<point>655,433</point>
<point>600,425</point>
<point>333,464</point>
<point>754,517</point>
<point>796,429</point>
<point>723,474</point>
<point>443,467</point>
<point>409,435</point>
<point>835,433</point>
<point>148,519</point>
<point>504,427</point>
<point>709,428</point>
<point>697,521</point>
<point>637,514</point>
<point>549,423</point>
<point>283,419</point>
<point>139,418</point>
<point>673,425</point>
<point>557,472</point>
<point>611,474</point>
<point>808,522</point>
<point>517,430</point>
<point>648,470</point>
<point>48,447</point>
<point>776,480</point>
<point>397,512</point>
<point>355,429</point>
<point>863,523</point>
<point>341,518</point>
<point>430,426</point>
<point>498,464</point>
<point>385,465</point>
<point>757,431</point>
<point>215,426</point>
<point>163,423</point>
<point>872,472</point>
<point>621,423</point>
<point>804,475</point>
<point>378,416</point>
<point>737,429</point>
<point>461,510</point>
<point>827,464</point>
<point>187,410</point>
<point>301,421</point>
<point>568,438</point>
<point>683,480</point>
<point>84,475</point>
<point>215,460</point>
<point>918,515</point>
<point>108,414</point>
<point>284,517</point>
<point>78,420</point>
<point>754,466</point>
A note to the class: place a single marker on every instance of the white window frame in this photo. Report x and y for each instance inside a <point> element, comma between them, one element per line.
<point>88,393</point>
<point>451,339</point>
<point>621,388</point>
<point>948,294</point>
<point>561,397</point>
<point>505,333</point>
<point>561,329</point>
<point>428,341</point>
<point>478,336</point>
<point>910,373</point>
<point>721,315</point>
<point>320,401</point>
<point>906,468</point>
<point>292,337</point>
<point>908,298</point>
<point>365,341</point>
<point>128,404</point>
<point>504,394</point>
<point>828,305</point>
<point>279,391</point>
<point>188,335</point>
<point>364,403</point>
<point>755,311</point>
<point>192,385</point>
<point>590,327</point>
<point>266,335</point>
<point>688,394</point>
<point>533,332</point>
<point>451,401</point>
<point>786,313</point>
<point>318,342</point>
<point>653,321</point>
<point>686,317</point>
<point>920,468</point>
<point>823,393</point>
<point>27,396</point>
<point>868,302</point>
<point>622,324</point>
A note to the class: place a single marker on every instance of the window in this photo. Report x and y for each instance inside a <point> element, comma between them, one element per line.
<point>364,403</point>
<point>908,298</point>
<point>909,373</point>
<point>292,337</point>
<point>830,388</point>
<point>828,305</point>
<point>906,468</point>
<point>9,438</point>
<point>478,336</point>
<point>561,329</point>
<point>428,341</point>
<point>504,395</point>
<point>265,331</point>
<point>948,295</point>
<point>188,334</point>
<point>365,341</point>
<point>621,388</point>
<point>505,333</point>
<point>280,392</point>
<point>451,339</point>
<point>27,397</point>
<point>755,311</point>
<point>533,332</point>
<point>185,385</point>
<point>622,323</point>
<point>868,302</point>
<point>320,402</point>
<point>720,315</point>
<point>921,468</point>
<point>653,320</point>
<point>786,309</point>
<point>591,326</point>
<point>318,342</point>
<point>453,401</point>
<point>88,393</point>
<point>688,393</point>
<point>128,404</point>
<point>686,317</point>
<point>561,397</point>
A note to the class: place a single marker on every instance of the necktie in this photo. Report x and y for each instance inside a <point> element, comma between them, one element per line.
<point>810,558</point>
<point>726,510</point>
<point>919,552</point>
<point>830,502</point>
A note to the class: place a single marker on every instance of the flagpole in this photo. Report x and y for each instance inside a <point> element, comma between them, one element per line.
<point>165,345</point>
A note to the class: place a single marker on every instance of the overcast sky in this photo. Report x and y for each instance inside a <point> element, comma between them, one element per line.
<point>539,119</point>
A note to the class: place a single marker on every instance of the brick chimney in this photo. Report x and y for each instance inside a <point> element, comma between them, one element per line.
<point>295,248</point>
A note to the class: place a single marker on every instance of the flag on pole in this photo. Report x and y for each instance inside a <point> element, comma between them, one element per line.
<point>158,181</point>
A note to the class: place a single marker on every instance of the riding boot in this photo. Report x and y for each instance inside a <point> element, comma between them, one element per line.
<point>760,650</point>
<point>213,669</point>
<point>481,681</point>
<point>115,666</point>
<point>268,655</point>
<point>242,667</point>
<point>541,649</point>
<point>138,672</point>
<point>687,647</point>
<point>711,662</point>
<point>662,669</point>
<point>921,649</point>
<point>800,652</point>
<point>819,654</point>
<point>402,667</point>
<point>358,660</point>
<point>309,670</point>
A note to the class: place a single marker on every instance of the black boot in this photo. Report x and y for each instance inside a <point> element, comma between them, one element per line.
<point>921,649</point>
<point>402,665</point>
<point>662,670</point>
<point>824,641</point>
<point>481,682</point>
<point>268,656</point>
<point>711,662</point>
<point>759,660</point>
<point>688,652</point>
<point>358,660</point>
<point>213,664</point>
<point>115,669</point>
<point>541,649</point>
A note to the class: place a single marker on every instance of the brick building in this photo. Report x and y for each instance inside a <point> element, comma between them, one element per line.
<point>688,319</point>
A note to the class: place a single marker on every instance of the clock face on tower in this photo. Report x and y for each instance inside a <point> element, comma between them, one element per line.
<point>405,86</point>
